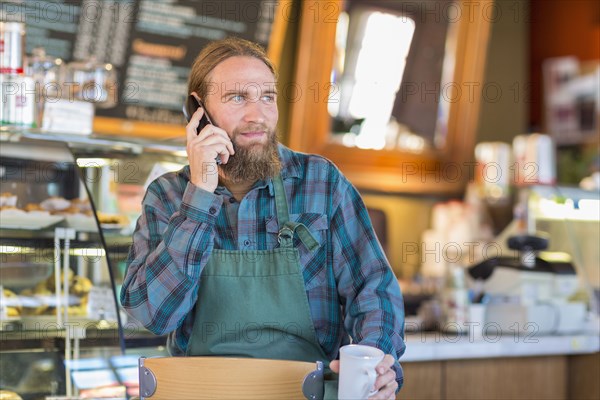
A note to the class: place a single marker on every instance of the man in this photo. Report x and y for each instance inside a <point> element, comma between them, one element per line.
<point>271,253</point>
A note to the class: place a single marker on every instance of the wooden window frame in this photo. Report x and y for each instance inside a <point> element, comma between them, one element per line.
<point>433,171</point>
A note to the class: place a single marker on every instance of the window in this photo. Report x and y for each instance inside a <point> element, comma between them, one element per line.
<point>372,68</point>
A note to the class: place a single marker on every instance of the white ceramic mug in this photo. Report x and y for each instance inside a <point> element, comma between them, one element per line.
<point>357,371</point>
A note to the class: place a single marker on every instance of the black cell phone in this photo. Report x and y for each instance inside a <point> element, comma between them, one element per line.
<point>190,107</point>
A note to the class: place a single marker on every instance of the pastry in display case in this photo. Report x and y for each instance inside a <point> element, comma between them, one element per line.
<point>53,271</point>
<point>68,208</point>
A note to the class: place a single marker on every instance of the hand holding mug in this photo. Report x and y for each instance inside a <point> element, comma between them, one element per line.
<point>365,372</point>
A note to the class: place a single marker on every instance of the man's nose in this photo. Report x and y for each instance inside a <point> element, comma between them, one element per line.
<point>255,111</point>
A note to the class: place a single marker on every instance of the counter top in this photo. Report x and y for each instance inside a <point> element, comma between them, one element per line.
<point>437,346</point>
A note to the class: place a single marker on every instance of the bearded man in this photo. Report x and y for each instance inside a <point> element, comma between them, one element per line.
<point>254,250</point>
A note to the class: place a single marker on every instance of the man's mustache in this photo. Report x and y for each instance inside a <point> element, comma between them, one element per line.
<point>251,128</point>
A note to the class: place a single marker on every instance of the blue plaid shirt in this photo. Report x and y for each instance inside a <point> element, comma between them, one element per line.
<point>351,288</point>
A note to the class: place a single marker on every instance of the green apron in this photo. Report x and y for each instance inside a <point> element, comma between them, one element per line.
<point>253,303</point>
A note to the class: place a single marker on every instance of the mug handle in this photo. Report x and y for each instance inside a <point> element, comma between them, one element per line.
<point>372,375</point>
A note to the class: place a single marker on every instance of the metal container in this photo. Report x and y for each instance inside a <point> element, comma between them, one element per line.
<point>12,47</point>
<point>18,102</point>
<point>92,81</point>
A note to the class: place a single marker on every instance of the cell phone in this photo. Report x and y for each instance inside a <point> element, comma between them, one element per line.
<point>190,107</point>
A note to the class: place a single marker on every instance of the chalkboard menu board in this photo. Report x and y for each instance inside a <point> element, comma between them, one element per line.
<point>151,43</point>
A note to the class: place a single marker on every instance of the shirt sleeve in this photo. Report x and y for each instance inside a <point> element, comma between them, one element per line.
<point>171,245</point>
<point>370,294</point>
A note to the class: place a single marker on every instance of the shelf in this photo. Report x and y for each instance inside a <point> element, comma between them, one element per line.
<point>45,240</point>
<point>95,142</point>
<point>577,138</point>
<point>14,337</point>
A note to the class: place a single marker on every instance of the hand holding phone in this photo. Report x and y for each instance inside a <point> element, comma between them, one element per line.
<point>189,108</point>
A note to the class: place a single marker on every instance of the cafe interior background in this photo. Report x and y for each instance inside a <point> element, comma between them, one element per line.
<point>469,127</point>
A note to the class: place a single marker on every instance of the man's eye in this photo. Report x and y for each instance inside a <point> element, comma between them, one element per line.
<point>269,98</point>
<point>238,98</point>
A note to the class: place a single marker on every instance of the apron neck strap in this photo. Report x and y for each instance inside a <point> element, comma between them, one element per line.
<point>287,228</point>
<point>281,206</point>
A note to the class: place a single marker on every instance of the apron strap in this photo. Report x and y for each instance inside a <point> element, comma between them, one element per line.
<point>286,235</point>
<point>281,207</point>
<point>287,228</point>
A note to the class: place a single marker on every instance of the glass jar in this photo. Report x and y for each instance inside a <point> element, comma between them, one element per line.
<point>47,73</point>
<point>46,70</point>
<point>92,81</point>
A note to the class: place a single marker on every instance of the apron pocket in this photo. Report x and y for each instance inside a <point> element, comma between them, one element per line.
<point>313,262</point>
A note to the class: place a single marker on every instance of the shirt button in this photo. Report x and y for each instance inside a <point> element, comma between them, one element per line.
<point>232,199</point>
<point>246,242</point>
<point>212,210</point>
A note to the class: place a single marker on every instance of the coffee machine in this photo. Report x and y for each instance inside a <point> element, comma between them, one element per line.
<point>526,294</point>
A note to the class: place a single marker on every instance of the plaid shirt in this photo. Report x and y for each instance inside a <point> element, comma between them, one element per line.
<point>350,286</point>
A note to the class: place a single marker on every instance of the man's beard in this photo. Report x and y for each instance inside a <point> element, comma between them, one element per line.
<point>255,161</point>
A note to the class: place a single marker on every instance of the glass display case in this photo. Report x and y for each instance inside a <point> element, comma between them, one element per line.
<point>69,205</point>
<point>570,216</point>
<point>569,219</point>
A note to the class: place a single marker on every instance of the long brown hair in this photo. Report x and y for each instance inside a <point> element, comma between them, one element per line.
<point>218,51</point>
